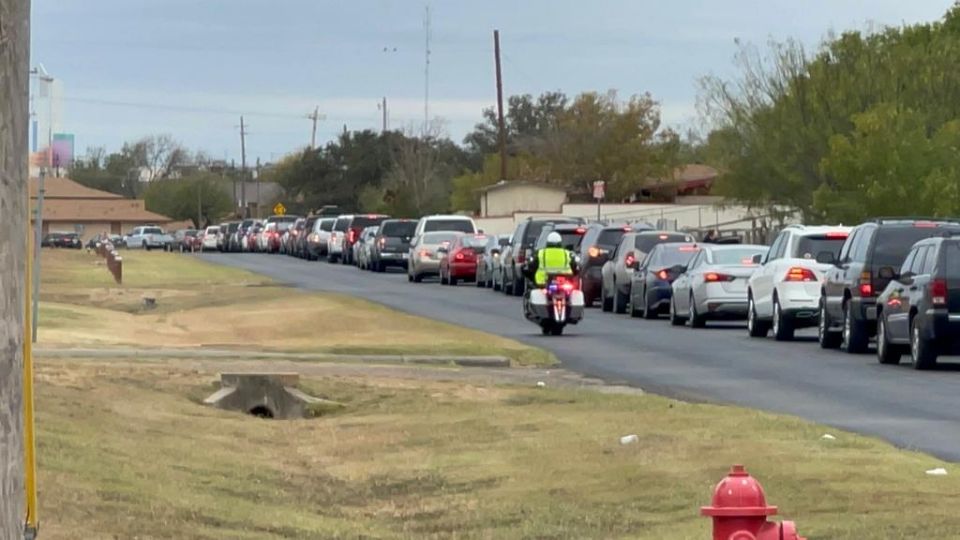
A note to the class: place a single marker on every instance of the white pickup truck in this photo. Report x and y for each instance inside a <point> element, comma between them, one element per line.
<point>148,237</point>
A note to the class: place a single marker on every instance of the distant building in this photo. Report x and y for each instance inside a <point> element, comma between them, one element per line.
<point>507,198</point>
<point>684,181</point>
<point>72,207</point>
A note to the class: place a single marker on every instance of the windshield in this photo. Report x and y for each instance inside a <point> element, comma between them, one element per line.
<point>474,241</point>
<point>742,255</point>
<point>402,229</point>
<point>213,230</point>
<point>326,225</point>
<point>609,238</point>
<point>361,222</point>
<point>645,242</point>
<point>461,225</point>
<point>439,237</point>
<point>672,256</point>
<point>893,243</point>
<point>809,246</point>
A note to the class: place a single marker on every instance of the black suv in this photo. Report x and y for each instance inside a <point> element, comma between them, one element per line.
<point>598,243</point>
<point>848,298</point>
<point>521,248</point>
<point>919,311</point>
<point>392,244</point>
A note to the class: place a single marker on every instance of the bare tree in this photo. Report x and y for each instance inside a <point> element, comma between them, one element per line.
<point>416,168</point>
<point>14,88</point>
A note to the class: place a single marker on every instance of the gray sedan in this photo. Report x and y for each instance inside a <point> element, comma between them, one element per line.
<point>714,285</point>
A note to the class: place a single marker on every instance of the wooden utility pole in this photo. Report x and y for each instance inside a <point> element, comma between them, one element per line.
<point>259,200</point>
<point>14,222</point>
<point>501,128</point>
<point>384,111</point>
<point>315,116</point>
<point>243,170</point>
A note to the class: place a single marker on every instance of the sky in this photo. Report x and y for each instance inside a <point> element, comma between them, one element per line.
<point>190,68</point>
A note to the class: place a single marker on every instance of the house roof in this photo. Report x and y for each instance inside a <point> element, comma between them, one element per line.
<point>503,184</point>
<point>65,188</point>
<point>104,210</point>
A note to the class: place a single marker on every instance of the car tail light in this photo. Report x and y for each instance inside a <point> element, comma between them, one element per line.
<point>800,274</point>
<point>663,274</point>
<point>459,256</point>
<point>630,259</point>
<point>425,253</point>
<point>925,224</point>
<point>581,230</point>
<point>938,292</point>
<point>716,277</point>
<point>382,242</point>
<point>866,285</point>
<point>521,258</point>
<point>837,234</point>
<point>352,236</point>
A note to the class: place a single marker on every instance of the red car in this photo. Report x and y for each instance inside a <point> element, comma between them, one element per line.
<point>459,260</point>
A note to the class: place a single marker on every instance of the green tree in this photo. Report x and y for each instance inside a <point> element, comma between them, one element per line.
<point>203,198</point>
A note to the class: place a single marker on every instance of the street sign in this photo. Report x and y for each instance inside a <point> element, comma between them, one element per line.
<point>598,189</point>
<point>279,209</point>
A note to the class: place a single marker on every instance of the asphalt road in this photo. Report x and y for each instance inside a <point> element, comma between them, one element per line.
<point>916,410</point>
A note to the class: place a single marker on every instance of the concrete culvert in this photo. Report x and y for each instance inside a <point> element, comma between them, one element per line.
<point>268,395</point>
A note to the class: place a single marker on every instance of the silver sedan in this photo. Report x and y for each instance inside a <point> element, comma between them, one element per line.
<point>425,254</point>
<point>714,285</point>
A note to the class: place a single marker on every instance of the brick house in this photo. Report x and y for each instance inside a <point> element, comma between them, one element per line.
<point>71,207</point>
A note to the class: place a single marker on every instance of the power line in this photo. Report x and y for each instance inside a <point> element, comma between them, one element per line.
<point>180,108</point>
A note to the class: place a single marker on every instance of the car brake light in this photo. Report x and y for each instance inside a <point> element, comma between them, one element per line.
<point>382,241</point>
<point>663,274</point>
<point>459,256</point>
<point>938,292</point>
<point>924,224</point>
<point>800,274</point>
<point>664,236</point>
<point>837,235</point>
<point>521,258</point>
<point>716,277</point>
<point>630,259</point>
<point>688,248</point>
<point>580,230</point>
<point>866,286</point>
<point>627,229</point>
<point>424,253</point>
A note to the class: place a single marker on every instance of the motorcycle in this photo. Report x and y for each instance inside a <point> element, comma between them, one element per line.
<point>555,306</point>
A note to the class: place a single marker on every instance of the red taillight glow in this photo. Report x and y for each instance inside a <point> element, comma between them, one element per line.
<point>688,248</point>
<point>800,274</point>
<point>925,224</point>
<point>716,277</point>
<point>627,229</point>
<point>521,258</point>
<point>352,236</point>
<point>866,286</point>
<point>630,259</point>
<point>834,235</point>
<point>938,292</point>
<point>382,241</point>
<point>580,230</point>
<point>459,256</point>
<point>664,236</point>
<point>424,253</point>
<point>594,252</point>
<point>663,274</point>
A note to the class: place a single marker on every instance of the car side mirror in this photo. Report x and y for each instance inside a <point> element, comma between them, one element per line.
<point>889,273</point>
<point>758,258</point>
<point>826,257</point>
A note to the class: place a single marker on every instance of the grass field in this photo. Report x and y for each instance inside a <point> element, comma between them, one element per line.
<point>202,304</point>
<point>126,450</point>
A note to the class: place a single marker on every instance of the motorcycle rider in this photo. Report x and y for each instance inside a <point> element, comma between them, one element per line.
<point>552,260</point>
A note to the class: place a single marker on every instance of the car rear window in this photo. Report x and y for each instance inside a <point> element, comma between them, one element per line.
<point>951,256</point>
<point>736,256</point>
<point>326,225</point>
<point>399,229</point>
<point>342,224</point>
<point>673,255</point>
<point>809,246</point>
<point>439,237</point>
<point>458,225</point>
<point>893,243</point>
<point>233,227</point>
<point>476,242</point>
<point>213,230</point>
<point>570,239</point>
<point>610,238</point>
<point>646,242</point>
<point>362,222</point>
<point>152,230</point>
<point>534,228</point>
<point>283,225</point>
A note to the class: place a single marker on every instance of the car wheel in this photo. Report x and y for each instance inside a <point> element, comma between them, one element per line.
<point>649,313</point>
<point>619,300</point>
<point>409,277</point>
<point>923,355</point>
<point>417,278</point>
<point>605,301</point>
<point>452,280</point>
<point>827,338</point>
<point>675,318</point>
<point>755,327</point>
<point>518,286</point>
<point>853,339</point>
<point>696,320</point>
<point>887,353</point>
<point>783,328</point>
<point>496,284</point>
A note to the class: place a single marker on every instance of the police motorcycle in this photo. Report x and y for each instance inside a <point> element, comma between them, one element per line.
<point>556,305</point>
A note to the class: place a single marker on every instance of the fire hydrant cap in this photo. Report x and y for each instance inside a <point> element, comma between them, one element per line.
<point>738,495</point>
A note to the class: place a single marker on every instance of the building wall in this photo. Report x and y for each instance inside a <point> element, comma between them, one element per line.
<point>495,225</point>
<point>508,200</point>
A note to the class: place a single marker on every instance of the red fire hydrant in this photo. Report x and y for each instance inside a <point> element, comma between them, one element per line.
<point>740,511</point>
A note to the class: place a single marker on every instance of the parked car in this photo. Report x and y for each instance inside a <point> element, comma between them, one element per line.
<point>848,302</point>
<point>784,293</point>
<point>289,235</point>
<point>598,243</point>
<point>392,245</point>
<point>252,236</point>
<point>269,239</point>
<point>651,279</point>
<point>337,236</point>
<point>616,273</point>
<point>458,261</point>
<point>361,250</point>
<point>61,240</point>
<point>317,239</point>
<point>521,248</point>
<point>147,237</point>
<point>919,310</point>
<point>209,239</point>
<point>488,263</point>
<point>425,255</point>
<point>355,226</point>
<point>184,240</point>
<point>714,284</point>
<point>237,237</point>
<point>280,236</point>
<point>222,232</point>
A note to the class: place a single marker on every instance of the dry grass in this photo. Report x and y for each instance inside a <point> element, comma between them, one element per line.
<point>127,452</point>
<point>201,304</point>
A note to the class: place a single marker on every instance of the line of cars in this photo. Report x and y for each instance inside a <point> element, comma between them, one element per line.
<point>895,281</point>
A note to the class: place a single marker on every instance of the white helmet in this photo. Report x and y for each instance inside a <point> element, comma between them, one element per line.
<point>554,239</point>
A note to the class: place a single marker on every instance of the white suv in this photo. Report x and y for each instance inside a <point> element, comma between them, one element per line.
<point>784,293</point>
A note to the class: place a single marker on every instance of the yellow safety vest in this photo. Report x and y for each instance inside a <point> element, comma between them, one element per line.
<point>551,261</point>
